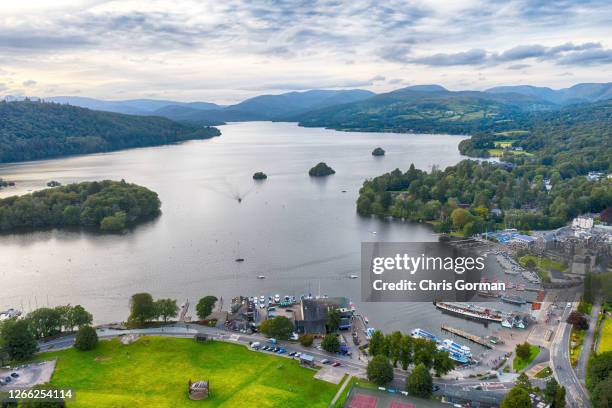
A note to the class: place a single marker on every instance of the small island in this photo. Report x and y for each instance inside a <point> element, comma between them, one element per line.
<point>260,175</point>
<point>379,151</point>
<point>4,183</point>
<point>321,170</point>
<point>108,206</point>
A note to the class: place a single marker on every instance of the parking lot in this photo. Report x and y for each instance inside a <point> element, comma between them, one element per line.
<point>26,376</point>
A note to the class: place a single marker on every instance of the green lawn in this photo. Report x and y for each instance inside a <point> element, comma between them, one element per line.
<point>519,364</point>
<point>576,340</point>
<point>605,342</point>
<point>153,372</point>
<point>544,373</point>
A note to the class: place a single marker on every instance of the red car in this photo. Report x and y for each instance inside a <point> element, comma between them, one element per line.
<point>336,364</point>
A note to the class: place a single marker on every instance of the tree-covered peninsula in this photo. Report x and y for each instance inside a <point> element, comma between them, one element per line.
<point>32,130</point>
<point>104,205</point>
<point>560,171</point>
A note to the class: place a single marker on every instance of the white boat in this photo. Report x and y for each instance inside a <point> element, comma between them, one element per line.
<point>277,298</point>
<point>459,348</point>
<point>353,276</point>
<point>261,277</point>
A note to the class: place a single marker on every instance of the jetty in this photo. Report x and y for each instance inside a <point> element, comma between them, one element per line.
<point>472,337</point>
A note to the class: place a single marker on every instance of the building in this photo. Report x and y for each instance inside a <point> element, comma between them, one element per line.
<point>582,223</point>
<point>311,315</point>
<point>198,390</point>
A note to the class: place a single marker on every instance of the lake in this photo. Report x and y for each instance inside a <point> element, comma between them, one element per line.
<point>302,233</point>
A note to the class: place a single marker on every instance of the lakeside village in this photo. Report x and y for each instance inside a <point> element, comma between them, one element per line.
<point>532,268</point>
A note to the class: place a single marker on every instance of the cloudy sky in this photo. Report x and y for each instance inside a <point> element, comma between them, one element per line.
<point>226,50</point>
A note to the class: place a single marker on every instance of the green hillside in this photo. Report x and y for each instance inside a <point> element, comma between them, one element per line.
<point>37,130</point>
<point>415,110</point>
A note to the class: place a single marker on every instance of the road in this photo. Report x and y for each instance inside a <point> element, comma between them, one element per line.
<point>589,338</point>
<point>562,368</point>
<point>489,390</point>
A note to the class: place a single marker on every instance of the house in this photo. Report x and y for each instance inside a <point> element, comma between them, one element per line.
<point>311,315</point>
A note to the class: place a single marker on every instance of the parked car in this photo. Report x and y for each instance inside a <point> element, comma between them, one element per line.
<point>14,375</point>
<point>325,361</point>
<point>281,351</point>
<point>336,364</point>
<point>255,345</point>
<point>292,354</point>
<point>435,387</point>
<point>298,354</point>
<point>7,380</point>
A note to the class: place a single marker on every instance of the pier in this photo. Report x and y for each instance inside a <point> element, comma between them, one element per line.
<point>468,336</point>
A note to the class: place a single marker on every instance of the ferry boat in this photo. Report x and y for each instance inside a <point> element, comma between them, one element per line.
<point>515,300</point>
<point>458,357</point>
<point>470,311</point>
<point>456,347</point>
<point>420,333</point>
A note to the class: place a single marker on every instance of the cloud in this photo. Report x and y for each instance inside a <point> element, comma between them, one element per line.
<point>587,57</point>
<point>29,83</point>
<point>377,78</point>
<point>3,87</point>
<point>565,54</point>
<point>471,57</point>
<point>518,66</point>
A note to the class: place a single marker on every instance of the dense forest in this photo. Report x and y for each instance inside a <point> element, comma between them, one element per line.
<point>539,190</point>
<point>105,205</point>
<point>36,130</point>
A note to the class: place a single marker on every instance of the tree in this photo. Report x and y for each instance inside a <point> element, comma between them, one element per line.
<point>601,397</point>
<point>578,320</point>
<point>45,322</point>
<point>78,316</point>
<point>523,381</point>
<point>306,340</point>
<point>405,352</point>
<point>518,397</point>
<point>599,369</point>
<point>554,394</point>
<point>18,340</point>
<point>395,345</point>
<point>166,308</point>
<point>420,383</point>
<point>423,352</point>
<point>205,306</point>
<point>380,370</point>
<point>331,343</point>
<point>523,350</point>
<point>442,363</point>
<point>460,218</point>
<point>376,345</point>
<point>333,320</point>
<point>142,308</point>
<point>86,338</point>
<point>278,327</point>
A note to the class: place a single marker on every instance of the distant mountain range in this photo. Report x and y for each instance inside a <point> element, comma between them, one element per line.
<point>418,108</point>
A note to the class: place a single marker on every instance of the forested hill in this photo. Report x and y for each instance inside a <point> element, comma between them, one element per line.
<point>36,130</point>
<point>428,111</point>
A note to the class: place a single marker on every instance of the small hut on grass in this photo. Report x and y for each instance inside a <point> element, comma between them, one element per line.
<point>198,390</point>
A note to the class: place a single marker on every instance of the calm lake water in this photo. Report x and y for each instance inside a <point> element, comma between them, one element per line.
<point>302,233</point>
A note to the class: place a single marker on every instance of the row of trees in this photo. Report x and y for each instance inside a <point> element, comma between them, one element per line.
<point>144,309</point>
<point>18,337</point>
<point>389,350</point>
<point>107,205</point>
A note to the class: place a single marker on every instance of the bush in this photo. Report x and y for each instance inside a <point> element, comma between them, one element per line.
<point>306,340</point>
<point>331,343</point>
<point>86,338</point>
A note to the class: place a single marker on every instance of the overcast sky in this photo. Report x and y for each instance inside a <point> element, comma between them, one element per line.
<point>227,50</point>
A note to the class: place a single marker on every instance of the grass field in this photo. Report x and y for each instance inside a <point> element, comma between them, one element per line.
<point>519,364</point>
<point>153,372</point>
<point>605,343</point>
